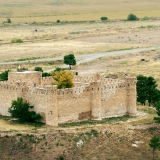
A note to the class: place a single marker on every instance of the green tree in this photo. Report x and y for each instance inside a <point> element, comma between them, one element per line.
<point>146,90</point>
<point>4,75</point>
<point>154,144</point>
<point>104,18</point>
<point>132,17</point>
<point>63,79</point>
<point>21,109</point>
<point>157,106</point>
<point>70,60</point>
<point>153,93</point>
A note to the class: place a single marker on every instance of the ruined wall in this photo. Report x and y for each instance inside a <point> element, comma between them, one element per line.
<point>31,78</point>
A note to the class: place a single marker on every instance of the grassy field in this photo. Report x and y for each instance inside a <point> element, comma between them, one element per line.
<point>70,10</point>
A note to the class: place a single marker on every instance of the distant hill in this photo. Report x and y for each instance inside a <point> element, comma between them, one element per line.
<point>71,10</point>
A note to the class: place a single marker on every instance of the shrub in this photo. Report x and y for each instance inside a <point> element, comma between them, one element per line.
<point>145,18</point>
<point>104,18</point>
<point>20,109</point>
<point>63,79</point>
<point>46,74</point>
<point>9,20</point>
<point>57,69</point>
<point>38,69</point>
<point>4,75</point>
<point>16,41</point>
<point>58,21</point>
<point>22,69</point>
<point>132,17</point>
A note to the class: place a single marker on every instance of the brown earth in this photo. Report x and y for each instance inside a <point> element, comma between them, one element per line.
<point>115,139</point>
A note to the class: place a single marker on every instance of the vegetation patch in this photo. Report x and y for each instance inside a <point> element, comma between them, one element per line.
<point>94,122</point>
<point>16,41</point>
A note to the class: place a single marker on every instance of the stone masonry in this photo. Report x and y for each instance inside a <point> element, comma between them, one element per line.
<point>93,97</point>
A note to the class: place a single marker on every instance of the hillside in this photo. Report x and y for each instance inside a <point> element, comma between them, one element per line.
<point>124,138</point>
<point>71,10</point>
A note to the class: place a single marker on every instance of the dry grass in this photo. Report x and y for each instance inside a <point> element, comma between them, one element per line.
<point>49,41</point>
<point>29,11</point>
<point>130,64</point>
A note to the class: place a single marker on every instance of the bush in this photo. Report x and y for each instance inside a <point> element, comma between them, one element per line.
<point>46,74</point>
<point>22,69</point>
<point>57,69</point>
<point>9,20</point>
<point>58,21</point>
<point>38,69</point>
<point>4,75</point>
<point>104,18</point>
<point>16,41</point>
<point>20,109</point>
<point>63,79</point>
<point>132,17</point>
<point>145,18</point>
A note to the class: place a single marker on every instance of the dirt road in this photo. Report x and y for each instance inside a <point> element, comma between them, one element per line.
<point>86,57</point>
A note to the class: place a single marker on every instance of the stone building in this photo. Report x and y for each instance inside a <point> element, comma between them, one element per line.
<point>93,97</point>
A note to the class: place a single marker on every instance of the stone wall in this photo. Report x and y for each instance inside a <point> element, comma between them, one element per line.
<point>95,97</point>
<point>31,78</point>
<point>7,94</point>
<point>72,103</point>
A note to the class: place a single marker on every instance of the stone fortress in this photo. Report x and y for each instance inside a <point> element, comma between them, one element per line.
<point>93,97</point>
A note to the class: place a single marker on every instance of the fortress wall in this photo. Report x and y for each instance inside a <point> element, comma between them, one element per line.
<point>114,102</point>
<point>94,77</point>
<point>73,104</point>
<point>84,79</point>
<point>31,78</point>
<point>111,81</point>
<point>40,98</point>
<point>47,80</point>
<point>8,93</point>
<point>131,95</point>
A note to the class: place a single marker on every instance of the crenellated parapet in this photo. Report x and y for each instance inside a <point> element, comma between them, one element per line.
<point>47,80</point>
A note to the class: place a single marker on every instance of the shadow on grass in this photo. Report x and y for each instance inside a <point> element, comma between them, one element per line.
<point>94,122</point>
<point>18,121</point>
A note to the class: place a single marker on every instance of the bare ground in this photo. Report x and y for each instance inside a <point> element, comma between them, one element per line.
<point>123,139</point>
